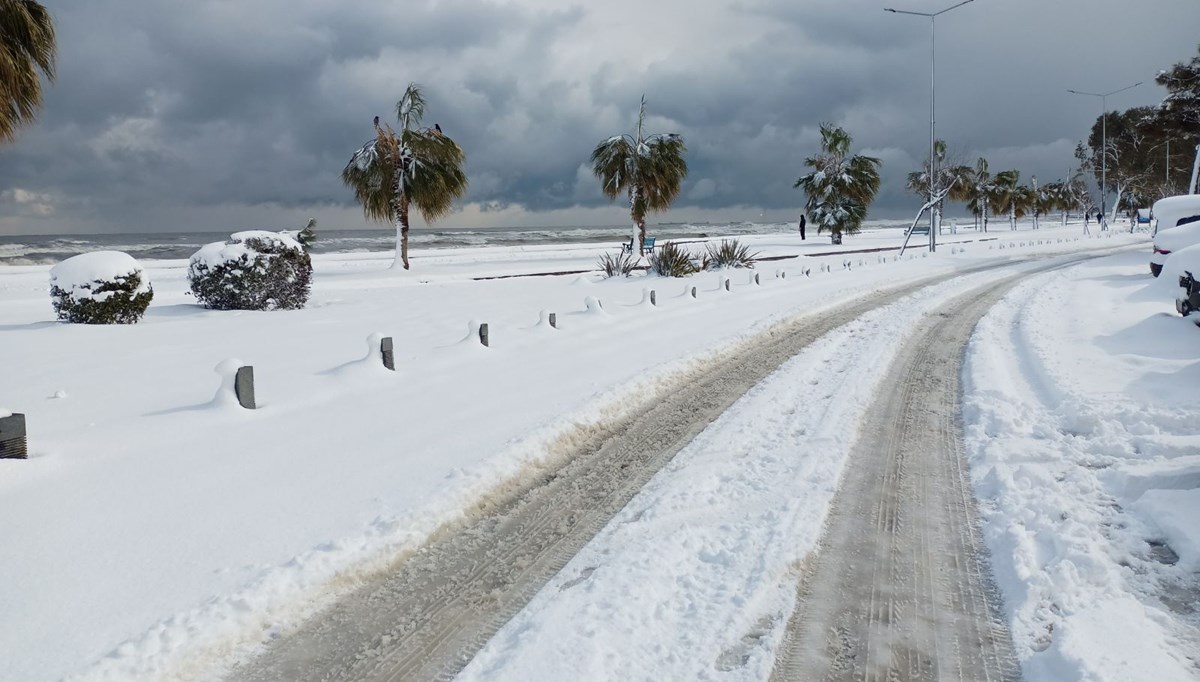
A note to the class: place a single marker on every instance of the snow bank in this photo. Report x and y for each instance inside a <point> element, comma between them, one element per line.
<point>1077,401</point>
<point>1177,514</point>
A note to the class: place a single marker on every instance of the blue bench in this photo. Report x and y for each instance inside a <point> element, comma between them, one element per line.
<point>647,245</point>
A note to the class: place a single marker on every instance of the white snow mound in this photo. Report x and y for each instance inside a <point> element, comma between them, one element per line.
<point>77,274</point>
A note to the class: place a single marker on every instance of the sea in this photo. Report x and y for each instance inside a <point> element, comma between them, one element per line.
<point>50,249</point>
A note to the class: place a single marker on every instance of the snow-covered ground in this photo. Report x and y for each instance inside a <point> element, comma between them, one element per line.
<point>156,531</point>
<point>1082,409</point>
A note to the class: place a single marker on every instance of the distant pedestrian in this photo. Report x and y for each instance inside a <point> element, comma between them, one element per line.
<point>803,222</point>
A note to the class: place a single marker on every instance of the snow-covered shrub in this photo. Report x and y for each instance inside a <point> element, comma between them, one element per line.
<point>672,260</point>
<point>729,254</point>
<point>101,287</point>
<point>254,270</point>
<point>621,264</point>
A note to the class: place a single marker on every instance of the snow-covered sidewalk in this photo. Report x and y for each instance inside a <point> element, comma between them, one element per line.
<point>1082,415</point>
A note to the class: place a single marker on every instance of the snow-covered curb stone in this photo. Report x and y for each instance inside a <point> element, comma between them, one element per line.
<point>101,287</point>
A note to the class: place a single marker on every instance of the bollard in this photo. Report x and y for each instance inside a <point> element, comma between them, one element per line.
<point>243,387</point>
<point>782,274</point>
<point>726,284</point>
<point>386,350</point>
<point>483,334</point>
<point>756,278</point>
<point>554,320</point>
<point>653,298</point>
<point>13,443</point>
<point>693,292</point>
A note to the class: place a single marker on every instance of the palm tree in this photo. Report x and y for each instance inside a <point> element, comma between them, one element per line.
<point>978,193</point>
<point>1055,197</point>
<point>27,45</point>
<point>1011,196</point>
<point>651,168</point>
<point>1043,200</point>
<point>416,165</point>
<point>841,187</point>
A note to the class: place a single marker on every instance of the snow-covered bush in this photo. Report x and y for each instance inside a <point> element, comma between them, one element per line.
<point>101,287</point>
<point>729,254</point>
<point>254,270</point>
<point>621,264</point>
<point>672,260</point>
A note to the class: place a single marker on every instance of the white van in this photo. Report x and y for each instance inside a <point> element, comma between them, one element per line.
<point>1167,215</point>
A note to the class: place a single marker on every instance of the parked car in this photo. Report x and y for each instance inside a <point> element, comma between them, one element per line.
<point>1182,267</point>
<point>1175,222</point>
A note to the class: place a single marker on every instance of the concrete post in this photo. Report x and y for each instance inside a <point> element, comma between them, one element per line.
<point>243,387</point>
<point>726,284</point>
<point>483,334</point>
<point>386,350</point>
<point>554,320</point>
<point>13,444</point>
<point>693,292</point>
<point>653,300</point>
<point>756,278</point>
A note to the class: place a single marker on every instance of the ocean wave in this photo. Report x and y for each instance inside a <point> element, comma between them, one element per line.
<point>49,249</point>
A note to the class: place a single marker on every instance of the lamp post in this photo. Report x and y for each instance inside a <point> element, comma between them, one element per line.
<point>932,118</point>
<point>1104,138</point>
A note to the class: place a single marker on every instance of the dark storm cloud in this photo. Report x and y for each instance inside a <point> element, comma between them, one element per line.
<point>175,115</point>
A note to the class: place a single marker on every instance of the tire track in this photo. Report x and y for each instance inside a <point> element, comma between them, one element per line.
<point>900,588</point>
<point>427,616</point>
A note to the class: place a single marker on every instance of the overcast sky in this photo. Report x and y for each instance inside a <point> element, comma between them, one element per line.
<point>230,114</point>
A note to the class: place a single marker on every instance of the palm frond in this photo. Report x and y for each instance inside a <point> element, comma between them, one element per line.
<point>651,168</point>
<point>27,45</point>
<point>411,107</point>
<point>611,161</point>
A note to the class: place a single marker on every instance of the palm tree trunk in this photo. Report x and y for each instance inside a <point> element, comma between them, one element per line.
<point>985,215</point>
<point>404,233</point>
<point>639,224</point>
<point>399,212</point>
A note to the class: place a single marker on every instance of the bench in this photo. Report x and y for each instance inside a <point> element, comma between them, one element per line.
<point>647,245</point>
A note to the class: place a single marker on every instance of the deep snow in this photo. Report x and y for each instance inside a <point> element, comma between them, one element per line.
<point>156,532</point>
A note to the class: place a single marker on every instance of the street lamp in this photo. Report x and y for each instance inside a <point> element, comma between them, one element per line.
<point>932,124</point>
<point>1104,138</point>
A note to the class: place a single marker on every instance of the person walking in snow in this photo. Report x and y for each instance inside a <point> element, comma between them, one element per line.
<point>803,221</point>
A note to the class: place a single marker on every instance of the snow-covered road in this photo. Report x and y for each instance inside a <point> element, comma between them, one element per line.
<point>157,535</point>
<point>434,613</point>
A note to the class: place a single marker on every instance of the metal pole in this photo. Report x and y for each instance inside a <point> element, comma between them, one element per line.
<point>932,131</point>
<point>932,112</point>
<point>1103,138</point>
<point>1104,157</point>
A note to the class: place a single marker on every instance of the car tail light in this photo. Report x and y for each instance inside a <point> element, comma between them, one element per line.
<point>1161,251</point>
